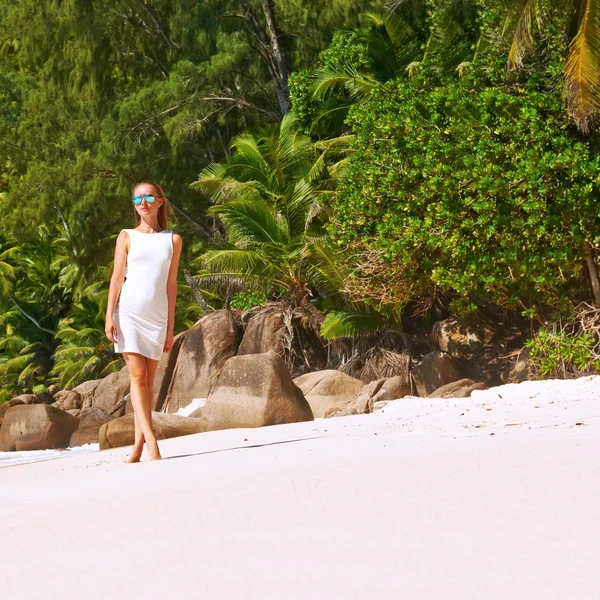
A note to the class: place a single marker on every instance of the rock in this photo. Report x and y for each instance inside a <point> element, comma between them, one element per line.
<point>204,350</point>
<point>275,328</point>
<point>165,370</point>
<point>197,414</point>
<point>86,390</point>
<point>341,412</point>
<point>522,369</point>
<point>36,427</point>
<point>435,370</point>
<point>85,435</point>
<point>329,389</point>
<point>457,389</point>
<point>67,400</point>
<point>74,412</point>
<point>90,421</point>
<point>254,390</point>
<point>29,399</point>
<point>163,377</point>
<point>194,409</point>
<point>394,388</point>
<point>121,432</point>
<point>93,416</point>
<point>462,336</point>
<point>110,392</point>
<point>376,391</point>
<point>265,332</point>
<point>6,405</point>
<point>362,403</point>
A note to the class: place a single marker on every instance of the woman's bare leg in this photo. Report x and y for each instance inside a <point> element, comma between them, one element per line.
<point>138,444</point>
<point>141,399</point>
<point>151,366</point>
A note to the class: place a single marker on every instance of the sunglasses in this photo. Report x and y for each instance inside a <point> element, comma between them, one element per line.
<point>147,197</point>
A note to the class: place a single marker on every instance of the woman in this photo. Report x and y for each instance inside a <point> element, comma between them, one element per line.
<point>141,303</point>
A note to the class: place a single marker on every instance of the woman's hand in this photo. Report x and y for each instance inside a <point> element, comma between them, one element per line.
<point>168,340</point>
<point>110,329</point>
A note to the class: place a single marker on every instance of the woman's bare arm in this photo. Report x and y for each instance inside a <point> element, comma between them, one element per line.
<point>116,283</point>
<point>172,289</point>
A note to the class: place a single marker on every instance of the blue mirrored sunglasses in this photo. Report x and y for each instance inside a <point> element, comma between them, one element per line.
<point>147,197</point>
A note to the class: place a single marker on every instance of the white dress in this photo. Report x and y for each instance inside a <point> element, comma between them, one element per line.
<point>141,313</point>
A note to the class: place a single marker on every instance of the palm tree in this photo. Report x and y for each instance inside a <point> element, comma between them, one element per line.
<point>391,43</point>
<point>267,250</point>
<point>83,350</point>
<point>25,354</point>
<point>582,66</point>
<point>33,302</point>
<point>357,61</point>
<point>269,199</point>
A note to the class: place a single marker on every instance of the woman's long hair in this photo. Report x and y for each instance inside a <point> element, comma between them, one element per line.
<point>163,212</point>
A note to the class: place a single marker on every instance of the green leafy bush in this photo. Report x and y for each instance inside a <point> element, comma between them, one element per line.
<point>554,354</point>
<point>248,300</point>
<point>486,193</point>
<point>569,345</point>
<point>321,98</point>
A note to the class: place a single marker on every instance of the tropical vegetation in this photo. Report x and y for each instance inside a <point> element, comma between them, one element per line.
<point>362,161</point>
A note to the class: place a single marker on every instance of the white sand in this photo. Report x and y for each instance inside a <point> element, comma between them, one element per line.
<point>419,500</point>
<point>195,404</point>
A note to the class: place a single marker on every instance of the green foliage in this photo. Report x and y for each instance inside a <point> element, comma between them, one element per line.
<point>568,345</point>
<point>350,324</point>
<point>249,299</point>
<point>484,192</point>
<point>321,99</point>
<point>268,197</point>
<point>462,178</point>
<point>554,353</point>
<point>396,41</point>
<point>83,351</point>
<point>93,97</point>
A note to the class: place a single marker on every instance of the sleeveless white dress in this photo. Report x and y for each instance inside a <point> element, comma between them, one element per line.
<point>141,313</point>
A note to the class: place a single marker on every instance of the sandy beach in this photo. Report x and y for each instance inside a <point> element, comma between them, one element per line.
<point>494,496</point>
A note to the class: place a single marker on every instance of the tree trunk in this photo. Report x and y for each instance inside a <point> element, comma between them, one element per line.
<point>196,292</point>
<point>30,317</point>
<point>269,49</point>
<point>593,272</point>
<point>283,94</point>
<point>205,230</point>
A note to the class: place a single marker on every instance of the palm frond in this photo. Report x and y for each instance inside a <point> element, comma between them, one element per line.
<point>248,223</point>
<point>350,324</point>
<point>330,79</point>
<point>12,343</point>
<point>519,26</point>
<point>582,70</point>
<point>322,269</point>
<point>239,262</point>
<point>234,282</point>
<point>299,206</point>
<point>112,366</point>
<point>220,185</point>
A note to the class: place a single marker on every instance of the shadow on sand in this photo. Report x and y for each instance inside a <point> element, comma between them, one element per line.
<point>316,437</point>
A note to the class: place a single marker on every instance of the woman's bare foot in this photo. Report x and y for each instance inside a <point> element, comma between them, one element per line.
<point>136,454</point>
<point>153,451</point>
